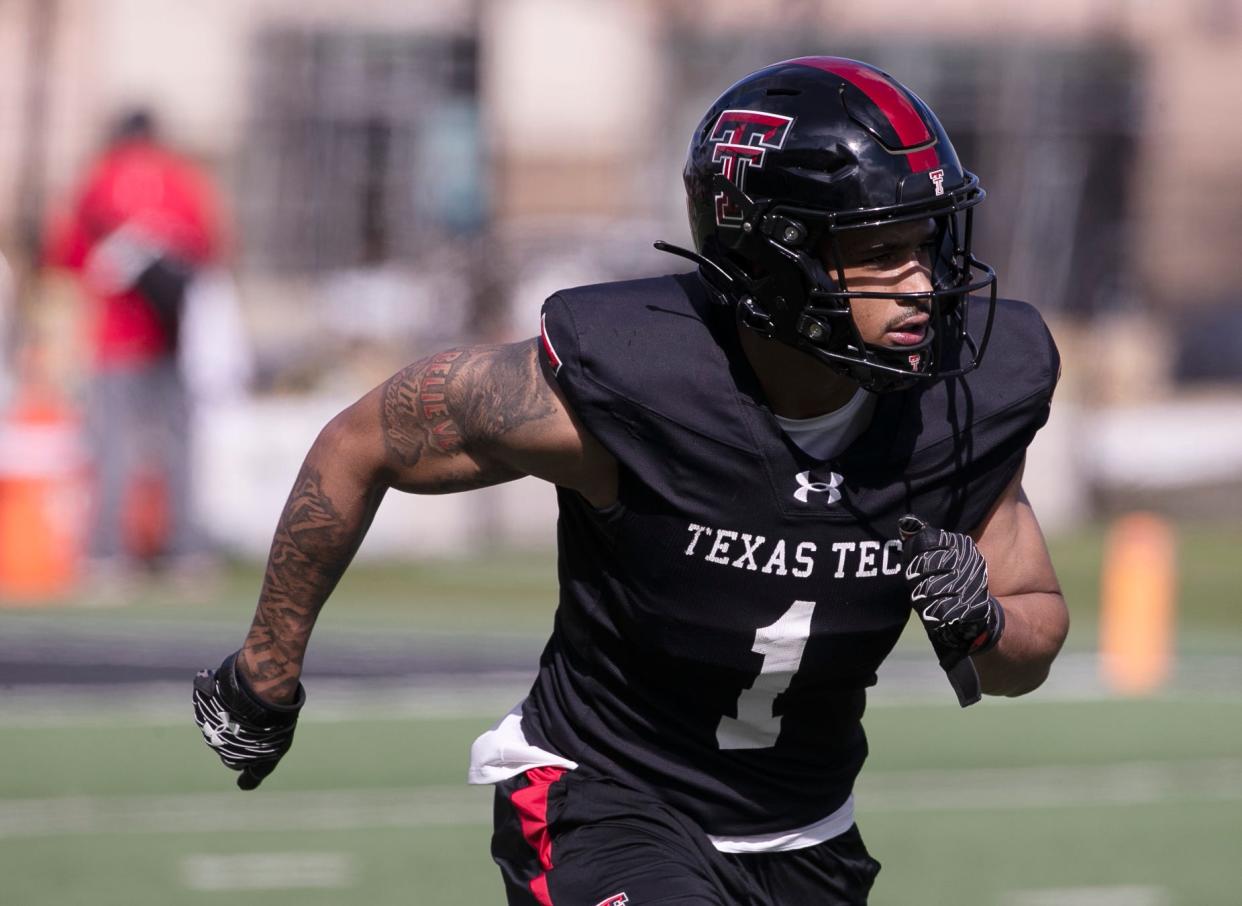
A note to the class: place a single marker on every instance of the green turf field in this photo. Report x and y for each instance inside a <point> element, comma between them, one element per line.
<point>990,807</point>
<point>1025,803</point>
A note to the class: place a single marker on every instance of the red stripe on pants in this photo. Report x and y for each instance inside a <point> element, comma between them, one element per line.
<point>531,805</point>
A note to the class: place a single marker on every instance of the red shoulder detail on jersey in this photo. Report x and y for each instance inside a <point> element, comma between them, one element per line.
<point>553,359</point>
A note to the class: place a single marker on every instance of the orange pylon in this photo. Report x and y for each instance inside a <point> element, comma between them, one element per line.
<point>43,500</point>
<point>1137,603</point>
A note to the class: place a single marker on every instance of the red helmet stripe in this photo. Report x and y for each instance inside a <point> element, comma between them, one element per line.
<point>922,161</point>
<point>893,103</point>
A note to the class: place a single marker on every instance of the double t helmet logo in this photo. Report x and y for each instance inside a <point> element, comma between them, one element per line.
<point>743,139</point>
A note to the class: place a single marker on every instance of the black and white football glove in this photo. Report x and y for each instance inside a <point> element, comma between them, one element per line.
<point>948,582</point>
<point>249,734</point>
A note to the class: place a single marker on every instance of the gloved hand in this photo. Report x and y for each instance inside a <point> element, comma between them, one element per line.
<point>249,734</point>
<point>948,582</point>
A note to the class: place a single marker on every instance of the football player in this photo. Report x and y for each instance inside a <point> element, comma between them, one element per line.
<point>762,466</point>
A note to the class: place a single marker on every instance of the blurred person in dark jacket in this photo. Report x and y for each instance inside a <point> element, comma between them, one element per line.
<point>142,222</point>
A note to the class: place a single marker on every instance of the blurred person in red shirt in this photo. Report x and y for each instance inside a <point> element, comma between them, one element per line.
<point>142,222</point>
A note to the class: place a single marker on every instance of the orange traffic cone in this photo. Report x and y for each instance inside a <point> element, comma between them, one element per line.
<point>1137,602</point>
<point>43,500</point>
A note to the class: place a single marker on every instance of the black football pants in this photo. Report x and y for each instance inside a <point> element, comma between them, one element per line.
<point>565,838</point>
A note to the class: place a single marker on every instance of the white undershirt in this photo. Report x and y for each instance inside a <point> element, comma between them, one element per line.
<point>826,436</point>
<point>504,751</point>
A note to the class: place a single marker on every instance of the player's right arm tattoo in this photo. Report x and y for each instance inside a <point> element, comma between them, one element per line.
<point>438,419</point>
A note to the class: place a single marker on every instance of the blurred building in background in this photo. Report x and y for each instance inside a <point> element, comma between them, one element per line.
<point>406,175</point>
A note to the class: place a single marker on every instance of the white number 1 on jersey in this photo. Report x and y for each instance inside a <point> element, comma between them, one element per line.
<point>781,645</point>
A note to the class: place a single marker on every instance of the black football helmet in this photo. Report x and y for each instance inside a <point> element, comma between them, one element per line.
<point>789,159</point>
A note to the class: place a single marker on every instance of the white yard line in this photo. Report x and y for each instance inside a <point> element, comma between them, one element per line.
<point>1065,786</point>
<point>215,812</point>
<point>1051,786</point>
<point>1118,895</point>
<point>334,701</point>
<point>268,871</point>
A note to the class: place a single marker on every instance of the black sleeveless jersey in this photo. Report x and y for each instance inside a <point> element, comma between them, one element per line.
<point>718,625</point>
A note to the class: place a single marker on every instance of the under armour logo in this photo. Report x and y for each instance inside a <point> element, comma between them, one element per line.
<point>215,734</point>
<point>807,487</point>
